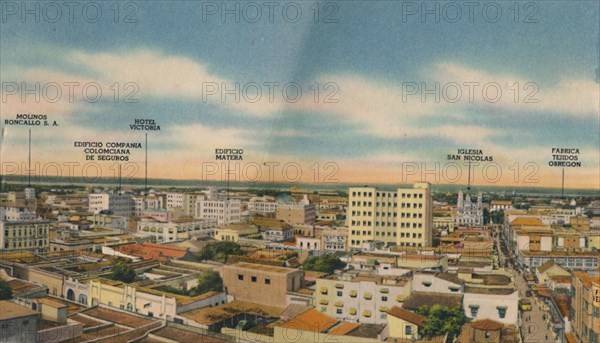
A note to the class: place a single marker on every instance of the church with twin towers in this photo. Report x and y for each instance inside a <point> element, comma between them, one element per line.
<point>467,212</point>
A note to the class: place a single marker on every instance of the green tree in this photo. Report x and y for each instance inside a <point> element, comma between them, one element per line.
<point>325,263</point>
<point>497,217</point>
<point>219,251</point>
<point>122,272</point>
<point>209,280</point>
<point>6,292</point>
<point>441,320</point>
<point>486,216</point>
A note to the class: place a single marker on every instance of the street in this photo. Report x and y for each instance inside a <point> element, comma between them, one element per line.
<point>534,324</point>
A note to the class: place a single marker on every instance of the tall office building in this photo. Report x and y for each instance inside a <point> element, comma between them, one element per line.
<point>402,217</point>
<point>223,212</point>
<point>585,307</point>
<point>119,204</point>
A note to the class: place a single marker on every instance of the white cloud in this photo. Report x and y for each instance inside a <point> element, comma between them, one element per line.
<point>170,76</point>
<point>576,97</point>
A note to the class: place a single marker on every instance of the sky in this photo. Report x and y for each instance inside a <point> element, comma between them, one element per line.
<point>331,91</point>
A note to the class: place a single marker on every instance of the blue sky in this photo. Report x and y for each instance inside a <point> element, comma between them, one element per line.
<point>368,56</point>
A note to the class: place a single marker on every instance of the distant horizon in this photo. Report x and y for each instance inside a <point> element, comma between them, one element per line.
<point>181,183</point>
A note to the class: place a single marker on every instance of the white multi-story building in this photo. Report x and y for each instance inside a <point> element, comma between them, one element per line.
<point>118,204</point>
<point>146,203</point>
<point>20,230</point>
<point>467,212</point>
<point>265,207</point>
<point>173,230</point>
<point>279,234</point>
<point>363,298</point>
<point>174,200</point>
<point>403,217</point>
<point>501,205</point>
<point>335,239</point>
<point>223,212</point>
<point>190,202</point>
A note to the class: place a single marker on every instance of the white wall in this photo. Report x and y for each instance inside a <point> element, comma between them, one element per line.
<point>488,304</point>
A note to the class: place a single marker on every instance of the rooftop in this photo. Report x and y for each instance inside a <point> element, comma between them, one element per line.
<point>148,251</point>
<point>10,310</point>
<point>390,280</point>
<point>587,279</point>
<point>367,330</point>
<point>407,315</point>
<point>311,320</point>
<point>526,221</point>
<point>546,266</point>
<point>121,318</point>
<point>212,315</point>
<point>483,290</point>
<point>501,202</point>
<point>184,336</point>
<point>487,325</point>
<point>418,299</point>
<point>561,253</point>
<point>238,227</point>
<point>343,328</point>
<point>262,267</point>
<point>21,287</point>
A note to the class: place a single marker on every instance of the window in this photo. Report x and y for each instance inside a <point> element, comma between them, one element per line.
<point>595,311</point>
<point>338,311</point>
<point>323,309</point>
<point>474,310</point>
<point>240,277</point>
<point>253,278</point>
<point>408,330</point>
<point>267,281</point>
<point>501,311</point>
<point>384,298</point>
<point>339,293</point>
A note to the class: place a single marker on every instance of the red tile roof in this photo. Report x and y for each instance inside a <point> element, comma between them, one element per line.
<point>152,251</point>
<point>407,315</point>
<point>343,328</point>
<point>311,320</point>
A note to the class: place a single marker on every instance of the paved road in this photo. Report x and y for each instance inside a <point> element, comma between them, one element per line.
<point>533,324</point>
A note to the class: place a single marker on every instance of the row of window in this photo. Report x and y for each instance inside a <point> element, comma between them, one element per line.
<point>402,244</point>
<point>387,194</point>
<point>384,224</point>
<point>26,244</point>
<point>254,279</point>
<point>389,234</point>
<point>353,312</point>
<point>23,232</point>
<point>388,214</point>
<point>501,311</point>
